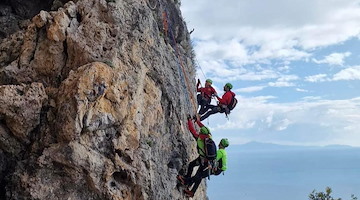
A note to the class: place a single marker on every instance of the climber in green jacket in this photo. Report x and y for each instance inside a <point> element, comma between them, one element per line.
<point>221,157</point>
<point>201,161</point>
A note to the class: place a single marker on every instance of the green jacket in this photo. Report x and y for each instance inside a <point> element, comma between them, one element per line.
<point>201,145</point>
<point>221,158</point>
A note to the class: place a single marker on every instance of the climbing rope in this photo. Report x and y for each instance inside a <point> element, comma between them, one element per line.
<point>166,25</point>
<point>199,66</point>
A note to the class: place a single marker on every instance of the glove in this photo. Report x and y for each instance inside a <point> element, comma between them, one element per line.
<point>189,117</point>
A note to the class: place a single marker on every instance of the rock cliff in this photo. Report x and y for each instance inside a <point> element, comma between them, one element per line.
<point>93,99</point>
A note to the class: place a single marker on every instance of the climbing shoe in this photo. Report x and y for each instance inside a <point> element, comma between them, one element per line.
<point>180,179</point>
<point>188,193</point>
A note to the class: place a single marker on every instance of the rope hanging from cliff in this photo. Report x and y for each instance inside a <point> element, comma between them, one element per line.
<point>180,61</point>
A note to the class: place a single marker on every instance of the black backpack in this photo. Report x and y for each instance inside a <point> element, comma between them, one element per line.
<point>210,149</point>
<point>233,103</point>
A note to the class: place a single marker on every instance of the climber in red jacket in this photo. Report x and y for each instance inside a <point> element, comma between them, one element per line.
<point>201,160</point>
<point>204,98</point>
<point>223,104</point>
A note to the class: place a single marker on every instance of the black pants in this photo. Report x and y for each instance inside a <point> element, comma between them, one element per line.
<point>214,110</point>
<point>201,173</point>
<point>191,166</point>
<point>217,172</point>
<point>203,102</point>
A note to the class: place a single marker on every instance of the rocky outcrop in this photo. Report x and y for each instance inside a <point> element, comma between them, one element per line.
<point>92,101</point>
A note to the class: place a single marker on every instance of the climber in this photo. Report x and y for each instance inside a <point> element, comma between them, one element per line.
<point>226,103</point>
<point>221,157</point>
<point>202,160</point>
<point>220,166</point>
<point>204,98</point>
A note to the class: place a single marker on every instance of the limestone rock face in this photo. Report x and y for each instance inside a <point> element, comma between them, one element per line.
<point>93,102</point>
<point>20,108</point>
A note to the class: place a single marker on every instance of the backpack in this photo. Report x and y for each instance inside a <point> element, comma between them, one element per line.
<point>210,149</point>
<point>233,103</point>
<point>210,153</point>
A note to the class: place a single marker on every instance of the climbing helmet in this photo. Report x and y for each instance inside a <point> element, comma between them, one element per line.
<point>204,130</point>
<point>229,85</point>
<point>224,142</point>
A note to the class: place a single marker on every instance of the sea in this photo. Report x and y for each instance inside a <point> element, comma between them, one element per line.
<point>259,171</point>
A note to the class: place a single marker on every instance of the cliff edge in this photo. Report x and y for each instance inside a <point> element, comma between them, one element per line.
<point>92,99</point>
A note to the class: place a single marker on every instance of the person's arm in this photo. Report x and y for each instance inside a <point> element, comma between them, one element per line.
<point>199,122</point>
<point>192,129</point>
<point>197,86</point>
<point>214,91</point>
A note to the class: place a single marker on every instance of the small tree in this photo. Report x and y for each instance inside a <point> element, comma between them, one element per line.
<point>325,196</point>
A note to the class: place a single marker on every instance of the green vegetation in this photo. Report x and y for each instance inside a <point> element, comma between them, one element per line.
<point>149,142</point>
<point>109,63</point>
<point>325,195</point>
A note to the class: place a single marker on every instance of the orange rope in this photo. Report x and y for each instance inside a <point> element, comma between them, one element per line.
<point>166,28</point>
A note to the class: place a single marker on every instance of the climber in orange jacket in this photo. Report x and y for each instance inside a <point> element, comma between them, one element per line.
<point>206,93</point>
<point>224,102</point>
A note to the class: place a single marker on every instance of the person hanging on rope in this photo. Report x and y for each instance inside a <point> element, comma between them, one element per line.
<point>221,157</point>
<point>225,105</point>
<point>204,98</point>
<point>207,154</point>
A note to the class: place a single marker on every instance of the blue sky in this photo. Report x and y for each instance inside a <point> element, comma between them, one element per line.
<point>295,67</point>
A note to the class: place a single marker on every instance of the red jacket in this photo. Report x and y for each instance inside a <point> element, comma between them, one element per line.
<point>226,98</point>
<point>193,131</point>
<point>206,91</point>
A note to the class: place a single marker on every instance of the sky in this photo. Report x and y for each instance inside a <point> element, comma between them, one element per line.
<point>294,65</point>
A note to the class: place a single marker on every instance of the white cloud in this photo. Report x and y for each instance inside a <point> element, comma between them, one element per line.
<point>333,59</point>
<point>285,69</point>
<point>316,78</point>
<point>284,81</point>
<point>339,117</point>
<point>301,90</point>
<point>351,73</point>
<point>220,71</point>
<point>250,89</point>
<point>281,84</point>
<point>285,29</point>
<point>224,50</point>
<point>311,98</point>
<point>233,42</point>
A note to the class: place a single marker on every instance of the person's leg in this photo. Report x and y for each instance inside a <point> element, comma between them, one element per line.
<point>214,109</point>
<point>199,98</point>
<point>205,106</point>
<point>202,172</point>
<point>191,166</point>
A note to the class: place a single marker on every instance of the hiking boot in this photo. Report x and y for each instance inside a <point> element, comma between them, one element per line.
<point>180,179</point>
<point>188,193</point>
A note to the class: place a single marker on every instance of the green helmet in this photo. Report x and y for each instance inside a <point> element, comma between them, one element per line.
<point>224,142</point>
<point>209,81</point>
<point>204,130</point>
<point>229,85</point>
